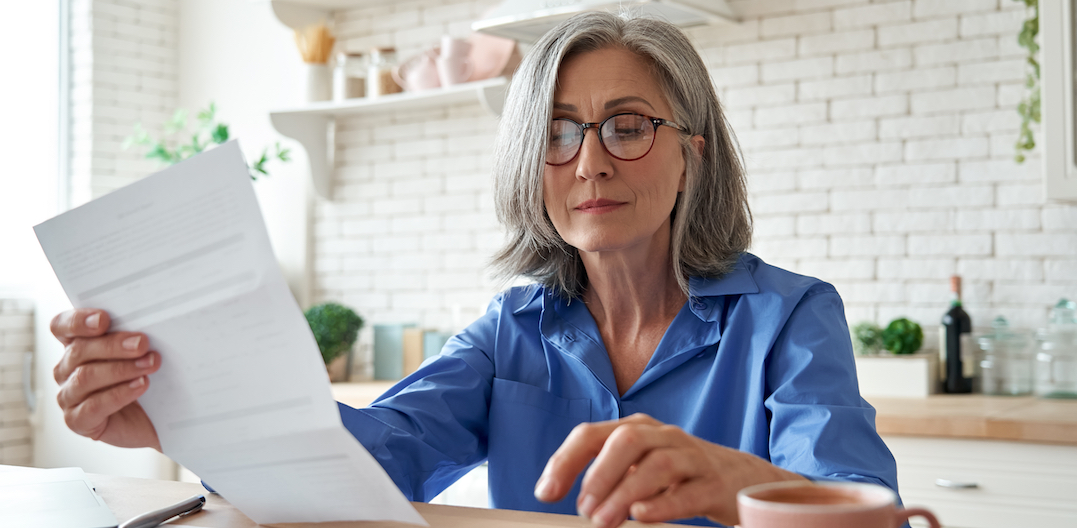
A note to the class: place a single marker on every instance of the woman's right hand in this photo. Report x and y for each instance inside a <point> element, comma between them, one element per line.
<point>101,375</point>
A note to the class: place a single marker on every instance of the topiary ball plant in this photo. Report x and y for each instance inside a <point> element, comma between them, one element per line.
<point>903,336</point>
<point>335,328</point>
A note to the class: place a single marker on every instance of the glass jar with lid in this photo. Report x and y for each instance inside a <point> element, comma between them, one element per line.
<point>1056,355</point>
<point>379,79</point>
<point>1004,365</point>
<point>349,76</point>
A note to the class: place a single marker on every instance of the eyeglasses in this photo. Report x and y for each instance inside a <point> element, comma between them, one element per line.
<point>627,137</point>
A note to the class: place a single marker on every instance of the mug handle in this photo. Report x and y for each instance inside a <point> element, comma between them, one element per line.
<point>468,70</point>
<point>398,76</point>
<point>904,514</point>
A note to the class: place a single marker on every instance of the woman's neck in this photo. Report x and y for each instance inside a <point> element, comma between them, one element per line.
<point>633,297</point>
<point>631,291</point>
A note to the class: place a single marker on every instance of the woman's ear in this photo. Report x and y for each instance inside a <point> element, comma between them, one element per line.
<point>698,143</point>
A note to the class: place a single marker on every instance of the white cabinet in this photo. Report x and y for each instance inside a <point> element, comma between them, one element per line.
<point>1016,484</point>
<point>1058,25</point>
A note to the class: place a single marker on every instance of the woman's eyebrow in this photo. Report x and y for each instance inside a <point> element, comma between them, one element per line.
<point>622,100</point>
<point>609,104</point>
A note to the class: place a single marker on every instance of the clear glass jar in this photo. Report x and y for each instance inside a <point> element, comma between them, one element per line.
<point>349,76</point>
<point>379,79</point>
<point>1056,355</point>
<point>1004,362</point>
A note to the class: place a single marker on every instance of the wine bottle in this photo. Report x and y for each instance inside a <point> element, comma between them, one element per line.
<point>956,337</point>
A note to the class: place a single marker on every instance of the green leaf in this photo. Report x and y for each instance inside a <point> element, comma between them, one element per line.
<point>196,145</point>
<point>177,123</point>
<point>283,154</point>
<point>160,152</point>
<point>220,133</point>
<point>208,115</point>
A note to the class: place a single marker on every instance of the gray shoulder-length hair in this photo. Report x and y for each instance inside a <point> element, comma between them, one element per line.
<point>712,224</point>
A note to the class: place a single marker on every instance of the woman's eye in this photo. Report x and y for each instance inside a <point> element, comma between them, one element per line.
<point>561,139</point>
<point>628,133</point>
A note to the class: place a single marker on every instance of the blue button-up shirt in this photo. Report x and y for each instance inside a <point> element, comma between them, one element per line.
<point>759,360</point>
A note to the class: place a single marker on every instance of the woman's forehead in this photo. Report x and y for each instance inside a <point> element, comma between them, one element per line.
<point>607,77</point>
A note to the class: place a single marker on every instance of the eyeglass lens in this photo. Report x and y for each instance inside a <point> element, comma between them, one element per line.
<point>625,136</point>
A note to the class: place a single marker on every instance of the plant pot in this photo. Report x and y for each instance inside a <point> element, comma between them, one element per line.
<point>338,368</point>
<point>898,376</point>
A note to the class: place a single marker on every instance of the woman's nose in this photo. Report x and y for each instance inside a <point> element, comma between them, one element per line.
<point>593,162</point>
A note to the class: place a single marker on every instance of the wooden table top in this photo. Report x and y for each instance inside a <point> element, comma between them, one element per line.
<point>1022,418</point>
<point>128,497</point>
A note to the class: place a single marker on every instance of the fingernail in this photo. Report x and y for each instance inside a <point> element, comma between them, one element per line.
<point>131,343</point>
<point>93,321</point>
<point>587,505</point>
<point>138,382</point>
<point>144,361</point>
<point>542,489</point>
<point>603,518</point>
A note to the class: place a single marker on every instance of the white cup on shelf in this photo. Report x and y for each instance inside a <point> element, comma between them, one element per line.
<point>319,84</point>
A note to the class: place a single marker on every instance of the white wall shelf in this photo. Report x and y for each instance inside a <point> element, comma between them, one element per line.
<point>299,13</point>
<point>312,125</point>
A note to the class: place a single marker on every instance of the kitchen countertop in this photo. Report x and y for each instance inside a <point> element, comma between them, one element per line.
<point>968,416</point>
<point>975,416</point>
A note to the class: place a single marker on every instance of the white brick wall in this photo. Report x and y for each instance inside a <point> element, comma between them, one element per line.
<point>878,136</point>
<point>908,177</point>
<point>16,338</point>
<point>410,227</point>
<point>123,71</point>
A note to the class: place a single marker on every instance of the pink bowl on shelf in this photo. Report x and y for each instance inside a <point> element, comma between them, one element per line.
<point>492,56</point>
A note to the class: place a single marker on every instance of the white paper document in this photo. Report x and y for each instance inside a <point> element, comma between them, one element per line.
<point>242,398</point>
<point>51,498</point>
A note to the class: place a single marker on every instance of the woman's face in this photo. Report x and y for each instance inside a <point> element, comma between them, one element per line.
<point>599,203</point>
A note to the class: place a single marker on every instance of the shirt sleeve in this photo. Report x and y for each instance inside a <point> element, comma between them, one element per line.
<point>820,427</point>
<point>431,428</point>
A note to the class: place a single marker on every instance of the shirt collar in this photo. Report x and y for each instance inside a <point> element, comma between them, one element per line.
<point>738,281</point>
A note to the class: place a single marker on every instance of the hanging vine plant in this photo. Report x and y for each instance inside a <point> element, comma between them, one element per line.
<point>1029,108</point>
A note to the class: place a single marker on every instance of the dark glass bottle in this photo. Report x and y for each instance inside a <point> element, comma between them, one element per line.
<point>957,331</point>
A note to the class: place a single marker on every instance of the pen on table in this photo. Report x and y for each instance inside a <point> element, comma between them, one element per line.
<point>156,517</point>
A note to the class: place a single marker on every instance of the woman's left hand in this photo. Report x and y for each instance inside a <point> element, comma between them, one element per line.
<point>651,471</point>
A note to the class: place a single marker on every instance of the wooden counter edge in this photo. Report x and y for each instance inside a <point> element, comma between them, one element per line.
<point>971,416</point>
<point>1020,419</point>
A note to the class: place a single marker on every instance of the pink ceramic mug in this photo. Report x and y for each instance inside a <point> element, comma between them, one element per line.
<point>823,505</point>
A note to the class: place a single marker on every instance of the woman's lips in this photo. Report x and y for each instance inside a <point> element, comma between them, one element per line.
<point>598,206</point>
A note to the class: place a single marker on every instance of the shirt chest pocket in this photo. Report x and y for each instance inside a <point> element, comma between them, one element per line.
<point>527,424</point>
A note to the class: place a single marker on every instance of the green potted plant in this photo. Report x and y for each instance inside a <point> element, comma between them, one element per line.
<point>208,133</point>
<point>887,362</point>
<point>335,328</point>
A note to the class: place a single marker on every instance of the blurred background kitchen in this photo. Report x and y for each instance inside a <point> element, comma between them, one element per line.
<point>879,138</point>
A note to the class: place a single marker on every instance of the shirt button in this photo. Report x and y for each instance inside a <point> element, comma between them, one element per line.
<point>568,337</point>
<point>699,305</point>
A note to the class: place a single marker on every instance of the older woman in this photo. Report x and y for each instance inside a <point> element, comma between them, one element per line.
<point>651,348</point>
